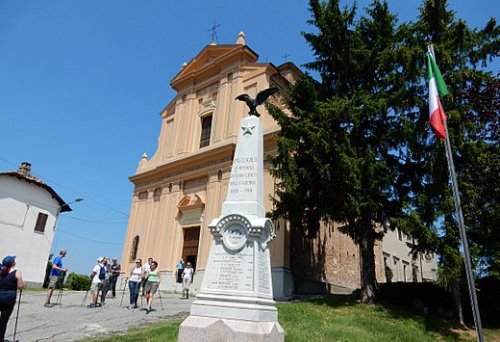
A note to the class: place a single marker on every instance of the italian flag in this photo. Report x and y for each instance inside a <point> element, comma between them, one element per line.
<point>437,88</point>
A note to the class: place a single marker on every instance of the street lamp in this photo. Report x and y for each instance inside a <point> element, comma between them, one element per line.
<point>65,206</point>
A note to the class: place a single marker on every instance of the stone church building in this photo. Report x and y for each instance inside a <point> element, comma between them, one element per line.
<point>181,188</point>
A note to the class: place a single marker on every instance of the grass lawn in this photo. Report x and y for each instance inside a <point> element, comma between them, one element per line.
<point>336,318</point>
<point>158,332</point>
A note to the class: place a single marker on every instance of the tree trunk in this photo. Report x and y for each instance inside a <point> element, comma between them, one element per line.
<point>368,279</point>
<point>455,292</point>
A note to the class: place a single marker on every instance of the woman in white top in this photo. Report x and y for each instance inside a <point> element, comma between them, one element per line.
<point>134,283</point>
<point>187,279</point>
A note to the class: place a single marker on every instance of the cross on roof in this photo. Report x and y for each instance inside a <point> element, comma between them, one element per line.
<point>285,56</point>
<point>213,31</point>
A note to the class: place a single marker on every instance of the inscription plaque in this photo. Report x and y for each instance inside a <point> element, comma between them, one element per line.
<point>232,271</point>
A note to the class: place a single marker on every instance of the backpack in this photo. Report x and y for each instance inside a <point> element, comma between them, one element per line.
<point>102,273</point>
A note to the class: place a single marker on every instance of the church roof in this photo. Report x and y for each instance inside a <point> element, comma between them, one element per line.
<point>36,181</point>
<point>210,59</point>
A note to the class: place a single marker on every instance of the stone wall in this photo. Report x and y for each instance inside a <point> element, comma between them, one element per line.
<point>329,261</point>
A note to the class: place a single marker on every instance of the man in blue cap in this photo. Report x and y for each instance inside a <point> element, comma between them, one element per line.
<point>55,272</point>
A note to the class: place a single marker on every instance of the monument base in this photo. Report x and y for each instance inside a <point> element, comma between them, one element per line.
<point>210,329</point>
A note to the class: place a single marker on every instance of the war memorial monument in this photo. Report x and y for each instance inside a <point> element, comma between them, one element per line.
<point>235,302</point>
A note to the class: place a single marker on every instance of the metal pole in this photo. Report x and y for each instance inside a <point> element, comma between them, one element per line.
<point>85,298</point>
<point>123,293</point>
<point>161,301</point>
<point>17,314</point>
<point>463,237</point>
<point>59,295</point>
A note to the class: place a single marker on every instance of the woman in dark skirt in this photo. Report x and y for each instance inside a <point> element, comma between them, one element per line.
<point>10,281</point>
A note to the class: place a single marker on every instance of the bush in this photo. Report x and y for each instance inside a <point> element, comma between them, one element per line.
<point>426,297</point>
<point>429,297</point>
<point>488,297</point>
<point>47,273</point>
<point>78,282</point>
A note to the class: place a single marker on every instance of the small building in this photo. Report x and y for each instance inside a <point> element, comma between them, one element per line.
<point>29,209</point>
<point>401,265</point>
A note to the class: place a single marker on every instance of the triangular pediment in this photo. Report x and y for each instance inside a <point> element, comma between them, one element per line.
<point>211,56</point>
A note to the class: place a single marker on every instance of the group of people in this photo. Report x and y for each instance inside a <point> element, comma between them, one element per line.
<point>184,276</point>
<point>104,277</point>
<point>145,278</point>
<point>148,278</point>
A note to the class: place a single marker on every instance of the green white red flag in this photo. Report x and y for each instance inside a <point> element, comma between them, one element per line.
<point>437,88</point>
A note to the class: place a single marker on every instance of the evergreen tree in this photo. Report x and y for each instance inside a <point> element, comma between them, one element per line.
<point>338,151</point>
<point>356,147</point>
<point>471,108</point>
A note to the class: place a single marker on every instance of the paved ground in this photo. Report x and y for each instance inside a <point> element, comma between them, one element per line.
<point>69,321</point>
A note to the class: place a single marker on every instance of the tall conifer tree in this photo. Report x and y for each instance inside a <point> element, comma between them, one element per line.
<point>472,116</point>
<point>357,148</point>
<point>338,152</point>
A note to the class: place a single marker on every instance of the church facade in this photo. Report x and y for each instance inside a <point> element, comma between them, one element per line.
<point>181,188</point>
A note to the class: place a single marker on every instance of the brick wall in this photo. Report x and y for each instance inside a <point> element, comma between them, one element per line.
<point>331,259</point>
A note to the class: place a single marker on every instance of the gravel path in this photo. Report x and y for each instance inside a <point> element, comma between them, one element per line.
<point>70,321</point>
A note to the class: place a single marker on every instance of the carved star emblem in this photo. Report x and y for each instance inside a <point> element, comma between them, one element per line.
<point>247,129</point>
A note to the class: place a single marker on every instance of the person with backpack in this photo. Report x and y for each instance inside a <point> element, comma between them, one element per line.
<point>105,282</point>
<point>97,276</point>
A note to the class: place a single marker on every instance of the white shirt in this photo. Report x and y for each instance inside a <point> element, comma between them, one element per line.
<point>96,270</point>
<point>188,273</point>
<point>136,274</point>
<point>146,267</point>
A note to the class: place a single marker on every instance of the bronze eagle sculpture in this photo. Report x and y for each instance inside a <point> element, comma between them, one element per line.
<point>259,99</point>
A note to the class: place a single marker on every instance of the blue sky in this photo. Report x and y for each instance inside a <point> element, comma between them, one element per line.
<point>82,84</point>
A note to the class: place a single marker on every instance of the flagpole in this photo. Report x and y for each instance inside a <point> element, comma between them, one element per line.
<point>461,227</point>
<point>463,237</point>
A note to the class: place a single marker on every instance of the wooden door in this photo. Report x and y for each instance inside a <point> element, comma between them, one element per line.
<point>191,242</point>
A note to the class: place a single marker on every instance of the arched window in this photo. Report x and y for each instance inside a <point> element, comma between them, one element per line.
<point>133,250</point>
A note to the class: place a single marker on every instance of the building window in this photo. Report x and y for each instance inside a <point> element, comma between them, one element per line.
<point>400,235</point>
<point>157,194</point>
<point>133,250</point>
<point>41,221</point>
<point>206,128</point>
<point>143,195</point>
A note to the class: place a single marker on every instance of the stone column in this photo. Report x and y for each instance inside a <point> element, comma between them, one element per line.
<point>235,302</point>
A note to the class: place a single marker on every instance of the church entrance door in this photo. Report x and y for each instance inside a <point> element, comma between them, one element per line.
<point>190,248</point>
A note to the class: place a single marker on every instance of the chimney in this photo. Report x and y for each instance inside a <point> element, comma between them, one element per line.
<point>25,169</point>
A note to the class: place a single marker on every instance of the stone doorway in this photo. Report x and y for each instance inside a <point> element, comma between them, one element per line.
<point>190,247</point>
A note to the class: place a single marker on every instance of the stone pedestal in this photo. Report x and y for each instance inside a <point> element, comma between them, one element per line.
<point>209,329</point>
<point>235,302</point>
